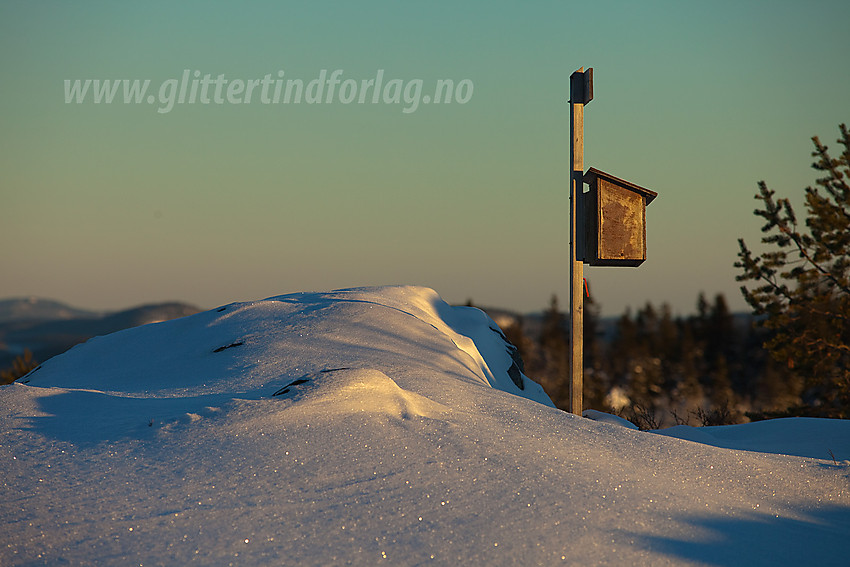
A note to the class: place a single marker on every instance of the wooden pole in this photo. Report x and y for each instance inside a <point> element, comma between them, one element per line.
<point>581,90</point>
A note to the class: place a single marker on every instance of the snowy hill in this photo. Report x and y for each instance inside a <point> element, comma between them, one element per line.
<point>380,426</point>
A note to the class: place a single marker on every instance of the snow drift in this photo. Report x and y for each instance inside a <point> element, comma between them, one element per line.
<point>378,425</point>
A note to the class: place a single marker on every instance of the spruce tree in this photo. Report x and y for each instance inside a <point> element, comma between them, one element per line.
<point>554,344</point>
<point>802,283</point>
<point>21,366</point>
<point>596,382</point>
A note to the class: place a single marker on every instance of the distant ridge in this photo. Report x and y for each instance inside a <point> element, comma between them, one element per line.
<point>34,308</point>
<point>48,328</point>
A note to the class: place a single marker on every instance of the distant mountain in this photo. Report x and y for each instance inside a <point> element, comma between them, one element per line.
<point>48,327</point>
<point>33,308</point>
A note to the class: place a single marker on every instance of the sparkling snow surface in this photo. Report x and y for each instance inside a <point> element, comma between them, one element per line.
<point>381,426</point>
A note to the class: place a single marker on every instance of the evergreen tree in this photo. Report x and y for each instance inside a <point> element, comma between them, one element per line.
<point>802,284</point>
<point>687,392</point>
<point>668,334</point>
<point>554,346</point>
<point>721,386</point>
<point>624,349</point>
<point>596,380</point>
<point>720,329</point>
<point>647,376</point>
<point>21,366</point>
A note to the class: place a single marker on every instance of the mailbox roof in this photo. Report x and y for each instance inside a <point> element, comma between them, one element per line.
<point>646,193</point>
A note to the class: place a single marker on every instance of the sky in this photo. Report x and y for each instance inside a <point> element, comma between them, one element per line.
<point>116,204</point>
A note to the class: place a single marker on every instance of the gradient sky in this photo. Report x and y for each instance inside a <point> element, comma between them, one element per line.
<point>112,205</point>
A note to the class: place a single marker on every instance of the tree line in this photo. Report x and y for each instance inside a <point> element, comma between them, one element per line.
<point>658,370</point>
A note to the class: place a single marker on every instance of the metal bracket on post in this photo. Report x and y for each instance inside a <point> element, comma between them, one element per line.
<point>581,93</point>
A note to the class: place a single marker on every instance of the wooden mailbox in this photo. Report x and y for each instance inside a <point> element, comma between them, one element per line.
<point>615,220</point>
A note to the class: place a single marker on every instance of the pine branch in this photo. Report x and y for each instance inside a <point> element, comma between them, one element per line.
<point>796,238</point>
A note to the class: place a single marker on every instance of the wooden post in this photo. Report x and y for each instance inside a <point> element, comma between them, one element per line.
<point>581,92</point>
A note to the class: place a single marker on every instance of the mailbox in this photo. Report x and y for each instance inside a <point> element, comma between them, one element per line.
<point>615,220</point>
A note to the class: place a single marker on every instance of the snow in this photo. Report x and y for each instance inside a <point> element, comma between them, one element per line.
<point>608,418</point>
<point>801,436</point>
<point>382,426</point>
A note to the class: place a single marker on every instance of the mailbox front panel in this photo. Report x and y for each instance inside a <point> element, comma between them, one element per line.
<point>621,226</point>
